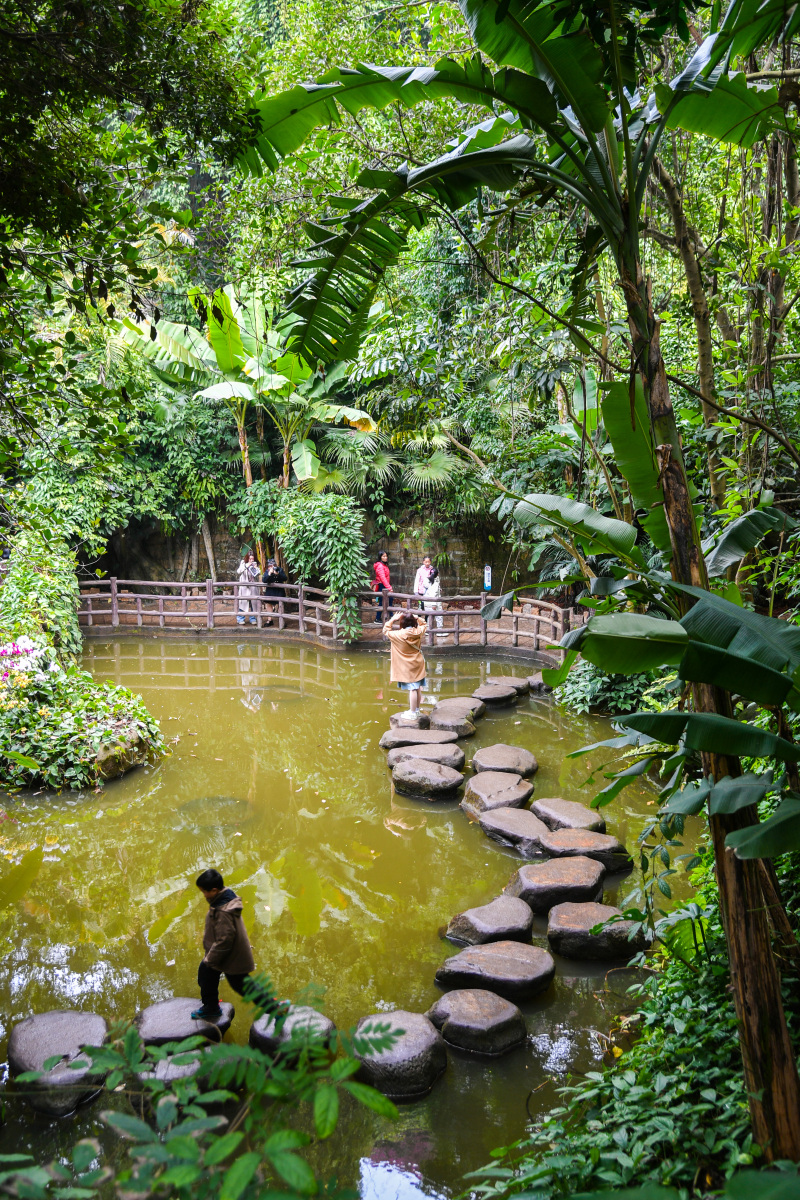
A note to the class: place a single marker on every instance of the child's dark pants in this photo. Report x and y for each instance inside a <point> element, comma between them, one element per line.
<point>208,979</point>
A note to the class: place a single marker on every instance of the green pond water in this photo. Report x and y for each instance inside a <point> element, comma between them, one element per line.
<point>276,778</point>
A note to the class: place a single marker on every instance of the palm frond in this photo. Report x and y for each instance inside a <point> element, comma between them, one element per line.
<point>433,473</point>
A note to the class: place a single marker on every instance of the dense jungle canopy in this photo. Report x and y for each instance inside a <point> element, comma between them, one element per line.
<point>529,266</point>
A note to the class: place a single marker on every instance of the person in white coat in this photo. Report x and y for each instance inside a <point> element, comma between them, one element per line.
<point>422,577</point>
<point>431,601</point>
<point>249,574</point>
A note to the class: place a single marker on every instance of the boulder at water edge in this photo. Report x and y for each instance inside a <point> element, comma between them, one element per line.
<point>416,737</point>
<point>506,918</point>
<point>466,706</point>
<point>495,789</point>
<point>420,720</point>
<point>567,814</point>
<point>537,684</point>
<point>408,1069</point>
<point>477,1020</point>
<point>516,827</point>
<point>61,1033</point>
<point>417,777</point>
<point>171,1021</point>
<point>461,726</point>
<point>608,850</point>
<point>569,929</point>
<point>501,757</point>
<point>511,969</point>
<point>448,755</point>
<point>128,750</point>
<point>543,885</point>
<point>495,694</point>
<point>303,1024</point>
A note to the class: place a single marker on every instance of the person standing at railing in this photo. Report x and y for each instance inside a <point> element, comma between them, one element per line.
<point>405,632</point>
<point>272,577</point>
<point>432,602</point>
<point>248,573</point>
<point>423,577</point>
<point>382,581</point>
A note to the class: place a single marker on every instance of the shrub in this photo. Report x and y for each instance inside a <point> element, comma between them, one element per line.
<point>39,594</point>
<point>588,689</point>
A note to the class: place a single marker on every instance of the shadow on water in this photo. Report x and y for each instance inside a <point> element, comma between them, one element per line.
<point>275,777</point>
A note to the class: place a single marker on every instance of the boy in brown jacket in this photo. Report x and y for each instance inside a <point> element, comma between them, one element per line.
<point>225,942</point>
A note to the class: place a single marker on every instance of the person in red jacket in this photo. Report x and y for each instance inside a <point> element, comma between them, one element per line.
<point>382,581</point>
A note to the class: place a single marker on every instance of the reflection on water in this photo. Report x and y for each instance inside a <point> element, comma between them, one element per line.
<point>276,778</point>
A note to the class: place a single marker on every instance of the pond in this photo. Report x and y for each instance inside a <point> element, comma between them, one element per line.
<point>275,777</point>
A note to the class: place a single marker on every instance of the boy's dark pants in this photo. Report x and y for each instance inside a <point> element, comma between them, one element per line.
<point>208,979</point>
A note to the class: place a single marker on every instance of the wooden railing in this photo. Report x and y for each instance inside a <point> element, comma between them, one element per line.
<point>307,611</point>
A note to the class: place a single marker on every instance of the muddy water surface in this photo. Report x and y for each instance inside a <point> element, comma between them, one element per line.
<point>275,776</point>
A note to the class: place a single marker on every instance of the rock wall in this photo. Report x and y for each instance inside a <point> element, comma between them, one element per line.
<point>144,551</point>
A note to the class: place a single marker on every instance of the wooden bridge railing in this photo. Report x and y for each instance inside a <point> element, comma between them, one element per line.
<point>135,603</point>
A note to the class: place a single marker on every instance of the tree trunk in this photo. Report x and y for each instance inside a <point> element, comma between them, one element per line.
<point>285,472</point>
<point>260,436</point>
<point>209,545</point>
<point>702,322</point>
<point>195,555</point>
<point>770,1071</point>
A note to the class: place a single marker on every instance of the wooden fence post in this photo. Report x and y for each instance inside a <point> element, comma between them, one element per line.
<point>210,603</point>
<point>484,626</point>
<point>301,603</point>
<point>114,601</point>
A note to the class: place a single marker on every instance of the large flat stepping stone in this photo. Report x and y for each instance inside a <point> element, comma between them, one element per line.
<point>506,918</point>
<point>171,1021</point>
<point>477,1020</point>
<point>61,1033</point>
<point>567,814</point>
<point>516,827</point>
<point>420,721</point>
<point>501,757</point>
<point>466,706</point>
<point>495,789</point>
<point>418,777</point>
<point>521,685</point>
<point>168,1071</point>
<point>511,969</point>
<point>608,850</point>
<point>454,722</point>
<point>416,737</point>
<point>495,694</point>
<point>448,755</point>
<point>569,933</point>
<point>408,1069</point>
<point>537,684</point>
<point>544,885</point>
<point>302,1024</point>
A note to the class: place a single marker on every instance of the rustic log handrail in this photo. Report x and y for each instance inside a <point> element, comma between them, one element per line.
<point>533,626</point>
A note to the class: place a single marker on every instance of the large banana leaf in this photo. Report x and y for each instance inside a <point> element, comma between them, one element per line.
<point>605,535</point>
<point>779,834</point>
<point>736,673</point>
<point>178,353</point>
<point>738,538</point>
<point>715,734</point>
<point>747,634</point>
<point>624,643</point>
<point>732,112</point>
<point>628,427</point>
<point>229,391</point>
<point>223,331</point>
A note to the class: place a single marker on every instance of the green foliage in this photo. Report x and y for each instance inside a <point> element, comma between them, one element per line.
<point>589,689</point>
<point>39,592</point>
<point>172,1138</point>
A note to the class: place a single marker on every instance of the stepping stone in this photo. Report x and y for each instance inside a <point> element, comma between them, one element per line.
<point>537,684</point>
<point>420,721</point>
<point>409,1068</point>
<point>569,933</point>
<point>520,685</point>
<point>466,706</point>
<point>416,737</point>
<point>506,918</point>
<point>501,757</point>
<point>473,1019</point>
<point>495,789</point>
<point>516,827</point>
<point>416,777</point>
<point>566,814</point>
<point>495,694</point>
<point>62,1033</point>
<point>608,850</point>
<point>454,722</point>
<point>167,1071</point>
<point>171,1021</point>
<point>302,1024</point>
<point>511,969</point>
<point>557,881</point>
<point>448,755</point>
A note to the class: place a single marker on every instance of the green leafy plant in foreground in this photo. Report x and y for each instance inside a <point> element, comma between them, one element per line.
<point>179,1143</point>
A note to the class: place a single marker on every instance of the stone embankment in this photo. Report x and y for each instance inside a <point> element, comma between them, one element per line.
<point>569,855</point>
